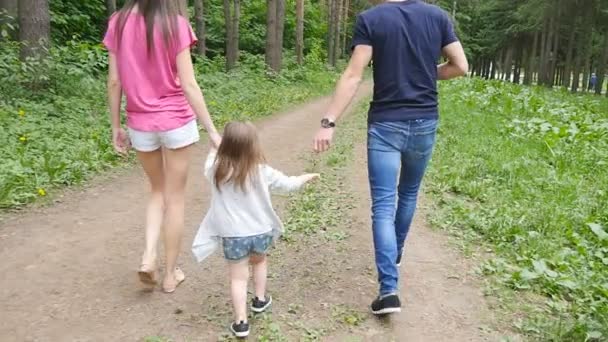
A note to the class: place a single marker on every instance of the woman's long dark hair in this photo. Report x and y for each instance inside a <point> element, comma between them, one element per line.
<point>155,12</point>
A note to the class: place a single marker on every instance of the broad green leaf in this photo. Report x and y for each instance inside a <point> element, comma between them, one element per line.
<point>598,230</point>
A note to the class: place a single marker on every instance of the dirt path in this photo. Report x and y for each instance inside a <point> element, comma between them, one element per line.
<point>68,270</point>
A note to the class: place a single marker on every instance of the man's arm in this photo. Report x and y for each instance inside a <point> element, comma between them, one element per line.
<point>457,64</point>
<point>345,91</point>
<point>349,82</point>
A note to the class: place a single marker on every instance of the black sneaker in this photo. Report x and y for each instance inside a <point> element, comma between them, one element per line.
<point>240,329</point>
<point>399,257</point>
<point>386,305</point>
<point>259,306</point>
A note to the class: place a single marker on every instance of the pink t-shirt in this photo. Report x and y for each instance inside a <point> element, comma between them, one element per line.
<point>155,99</point>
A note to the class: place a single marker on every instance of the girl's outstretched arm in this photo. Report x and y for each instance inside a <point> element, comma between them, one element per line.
<point>279,182</point>
<point>193,93</point>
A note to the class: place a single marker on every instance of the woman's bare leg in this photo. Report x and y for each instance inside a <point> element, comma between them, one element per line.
<point>152,163</point>
<point>176,176</point>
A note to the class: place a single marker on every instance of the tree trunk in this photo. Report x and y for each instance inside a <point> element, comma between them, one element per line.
<point>518,63</point>
<point>508,64</point>
<point>279,35</point>
<point>556,36</point>
<point>111,7</point>
<point>11,8</point>
<point>271,33</point>
<point>531,61</point>
<point>199,17</point>
<point>300,31</point>
<point>331,41</point>
<point>344,47</point>
<point>337,30</point>
<point>570,52</point>
<point>602,67</point>
<point>34,27</point>
<point>229,35</point>
<point>543,46</point>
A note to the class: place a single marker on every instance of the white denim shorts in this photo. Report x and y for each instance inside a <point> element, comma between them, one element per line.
<point>174,139</point>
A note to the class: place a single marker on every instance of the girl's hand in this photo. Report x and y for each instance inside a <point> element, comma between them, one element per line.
<point>120,140</point>
<point>310,177</point>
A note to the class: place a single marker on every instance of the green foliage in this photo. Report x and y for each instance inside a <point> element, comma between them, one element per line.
<point>525,170</point>
<point>77,20</point>
<point>53,121</point>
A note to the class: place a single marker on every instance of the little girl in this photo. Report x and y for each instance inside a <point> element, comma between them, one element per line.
<point>241,215</point>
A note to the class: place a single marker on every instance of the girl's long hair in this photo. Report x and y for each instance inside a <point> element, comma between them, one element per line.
<point>155,12</point>
<point>238,156</point>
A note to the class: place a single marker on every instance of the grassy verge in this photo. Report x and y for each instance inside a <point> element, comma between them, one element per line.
<point>54,131</point>
<point>524,170</point>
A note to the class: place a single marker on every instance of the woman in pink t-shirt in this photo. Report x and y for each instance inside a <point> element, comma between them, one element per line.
<point>149,60</point>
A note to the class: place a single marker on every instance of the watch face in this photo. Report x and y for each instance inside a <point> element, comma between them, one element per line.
<point>325,123</point>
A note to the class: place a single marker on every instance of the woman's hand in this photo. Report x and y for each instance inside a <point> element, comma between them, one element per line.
<point>120,140</point>
<point>215,139</point>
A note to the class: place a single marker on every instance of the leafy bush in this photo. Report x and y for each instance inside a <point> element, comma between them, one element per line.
<point>53,116</point>
<point>526,169</point>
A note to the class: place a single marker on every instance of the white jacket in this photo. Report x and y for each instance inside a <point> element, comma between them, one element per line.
<point>234,213</point>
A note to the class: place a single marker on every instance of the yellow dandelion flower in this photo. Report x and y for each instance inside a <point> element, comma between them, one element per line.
<point>23,138</point>
<point>21,112</point>
<point>41,192</point>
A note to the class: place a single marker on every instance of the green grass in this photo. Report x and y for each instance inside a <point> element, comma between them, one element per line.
<point>60,136</point>
<point>526,171</point>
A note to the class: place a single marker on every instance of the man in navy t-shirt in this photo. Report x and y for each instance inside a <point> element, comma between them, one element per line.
<point>405,40</point>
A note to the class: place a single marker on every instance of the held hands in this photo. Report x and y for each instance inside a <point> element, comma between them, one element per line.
<point>120,140</point>
<point>323,139</point>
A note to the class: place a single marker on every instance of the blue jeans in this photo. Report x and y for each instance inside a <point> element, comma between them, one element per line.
<point>398,154</point>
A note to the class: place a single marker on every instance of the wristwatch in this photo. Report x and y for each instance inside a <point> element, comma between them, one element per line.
<point>325,123</point>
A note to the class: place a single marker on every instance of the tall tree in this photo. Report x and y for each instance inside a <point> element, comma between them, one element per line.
<point>337,30</point>
<point>199,17</point>
<point>278,48</point>
<point>232,14</point>
<point>111,7</point>
<point>271,33</point>
<point>34,27</point>
<point>345,16</point>
<point>300,31</point>
<point>331,38</point>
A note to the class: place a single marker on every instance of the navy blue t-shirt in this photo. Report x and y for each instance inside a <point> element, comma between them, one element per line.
<point>407,39</point>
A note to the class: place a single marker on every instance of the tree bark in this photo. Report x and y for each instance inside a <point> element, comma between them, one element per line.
<point>337,31</point>
<point>556,36</point>
<point>279,35</point>
<point>333,24</point>
<point>531,61</point>
<point>602,67</point>
<point>345,17</point>
<point>300,31</point>
<point>508,65</point>
<point>11,7</point>
<point>34,27</point>
<point>232,18</point>
<point>199,17</point>
<point>110,7</point>
<point>569,53</point>
<point>271,32</point>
